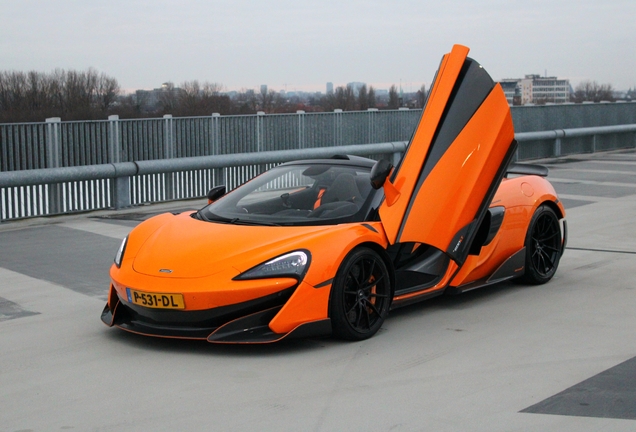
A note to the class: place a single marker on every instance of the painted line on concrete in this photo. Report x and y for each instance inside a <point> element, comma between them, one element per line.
<point>609,161</point>
<point>105,229</point>
<point>601,250</point>
<point>597,171</point>
<point>591,182</point>
<point>585,198</point>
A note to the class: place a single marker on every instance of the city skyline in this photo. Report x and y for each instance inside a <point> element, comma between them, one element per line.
<point>301,45</point>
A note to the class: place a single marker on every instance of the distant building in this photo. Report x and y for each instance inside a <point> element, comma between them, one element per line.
<point>329,88</point>
<point>356,86</point>
<point>512,90</point>
<point>151,100</point>
<point>536,89</point>
<point>263,88</point>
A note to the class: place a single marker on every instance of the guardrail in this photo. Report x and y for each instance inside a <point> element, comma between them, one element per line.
<point>560,142</point>
<point>49,191</point>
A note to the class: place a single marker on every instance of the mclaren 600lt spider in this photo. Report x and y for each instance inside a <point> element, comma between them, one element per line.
<point>319,247</point>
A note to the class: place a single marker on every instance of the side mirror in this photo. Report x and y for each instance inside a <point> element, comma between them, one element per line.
<point>216,193</point>
<point>380,172</point>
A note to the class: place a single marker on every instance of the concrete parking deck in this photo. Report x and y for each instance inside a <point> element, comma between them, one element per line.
<point>560,357</point>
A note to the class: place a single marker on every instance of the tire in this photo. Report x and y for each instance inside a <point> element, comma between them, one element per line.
<point>360,295</point>
<point>543,246</point>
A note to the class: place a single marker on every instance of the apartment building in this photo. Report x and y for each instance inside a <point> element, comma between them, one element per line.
<point>536,89</point>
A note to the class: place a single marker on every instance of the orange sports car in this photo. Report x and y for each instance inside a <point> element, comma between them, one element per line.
<point>319,247</point>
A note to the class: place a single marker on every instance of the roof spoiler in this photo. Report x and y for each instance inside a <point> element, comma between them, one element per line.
<point>527,169</point>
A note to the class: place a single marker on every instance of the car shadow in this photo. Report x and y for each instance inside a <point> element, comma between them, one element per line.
<point>288,347</point>
<point>201,347</point>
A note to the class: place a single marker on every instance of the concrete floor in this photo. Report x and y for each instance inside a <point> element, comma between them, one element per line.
<point>561,356</point>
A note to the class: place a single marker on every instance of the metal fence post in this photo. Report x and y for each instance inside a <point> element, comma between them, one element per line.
<point>215,133</point>
<point>218,174</point>
<point>219,177</point>
<point>397,156</point>
<point>337,133</point>
<point>168,141</point>
<point>259,130</point>
<point>120,192</point>
<point>114,140</point>
<point>371,116</point>
<point>169,153</point>
<point>557,147</point>
<point>54,160</point>
<point>53,142</point>
<point>301,128</point>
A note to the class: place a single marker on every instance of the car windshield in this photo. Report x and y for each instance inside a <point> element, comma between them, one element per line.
<point>307,194</point>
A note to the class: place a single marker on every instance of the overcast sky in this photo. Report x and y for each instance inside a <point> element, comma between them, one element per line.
<point>301,44</point>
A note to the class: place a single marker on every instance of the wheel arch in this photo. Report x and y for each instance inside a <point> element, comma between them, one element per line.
<point>554,206</point>
<point>385,258</point>
<point>387,262</point>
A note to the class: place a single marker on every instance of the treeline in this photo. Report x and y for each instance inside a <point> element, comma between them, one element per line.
<point>88,95</point>
<point>346,99</point>
<point>591,91</point>
<point>192,98</point>
<point>72,95</point>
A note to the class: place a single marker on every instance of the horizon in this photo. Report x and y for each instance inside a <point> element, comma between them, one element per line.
<point>302,45</point>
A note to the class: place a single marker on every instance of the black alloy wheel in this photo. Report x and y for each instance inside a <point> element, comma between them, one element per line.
<point>543,246</point>
<point>360,295</point>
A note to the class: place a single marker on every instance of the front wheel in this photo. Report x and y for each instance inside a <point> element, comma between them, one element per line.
<point>360,295</point>
<point>543,246</point>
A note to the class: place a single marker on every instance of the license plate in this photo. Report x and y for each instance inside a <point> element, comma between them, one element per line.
<point>155,300</point>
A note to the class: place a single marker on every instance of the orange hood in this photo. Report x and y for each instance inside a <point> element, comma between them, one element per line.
<point>186,247</point>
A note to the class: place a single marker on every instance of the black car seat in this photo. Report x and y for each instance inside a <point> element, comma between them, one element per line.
<point>342,198</point>
<point>343,188</point>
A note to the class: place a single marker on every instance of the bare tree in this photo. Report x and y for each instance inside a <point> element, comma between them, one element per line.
<point>371,97</point>
<point>245,102</point>
<point>169,98</point>
<point>394,101</point>
<point>421,96</point>
<point>363,98</point>
<point>33,96</point>
<point>591,91</point>
<point>344,98</point>
<point>107,92</point>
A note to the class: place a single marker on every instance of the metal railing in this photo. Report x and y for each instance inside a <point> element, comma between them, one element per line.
<point>57,143</point>
<point>49,191</point>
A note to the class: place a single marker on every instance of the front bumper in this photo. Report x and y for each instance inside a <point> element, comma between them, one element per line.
<point>242,323</point>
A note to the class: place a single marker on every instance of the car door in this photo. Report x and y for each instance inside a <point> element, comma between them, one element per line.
<point>454,162</point>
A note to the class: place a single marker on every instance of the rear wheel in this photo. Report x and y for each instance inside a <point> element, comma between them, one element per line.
<point>360,295</point>
<point>543,246</point>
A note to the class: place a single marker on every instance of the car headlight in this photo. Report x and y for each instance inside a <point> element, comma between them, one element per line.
<point>293,264</point>
<point>120,253</point>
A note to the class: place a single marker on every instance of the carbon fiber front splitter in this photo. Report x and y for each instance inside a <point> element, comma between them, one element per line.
<point>238,324</point>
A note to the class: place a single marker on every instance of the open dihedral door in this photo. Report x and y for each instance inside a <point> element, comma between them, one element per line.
<point>454,162</point>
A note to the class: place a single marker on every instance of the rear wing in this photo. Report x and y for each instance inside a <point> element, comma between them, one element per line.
<point>527,169</point>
